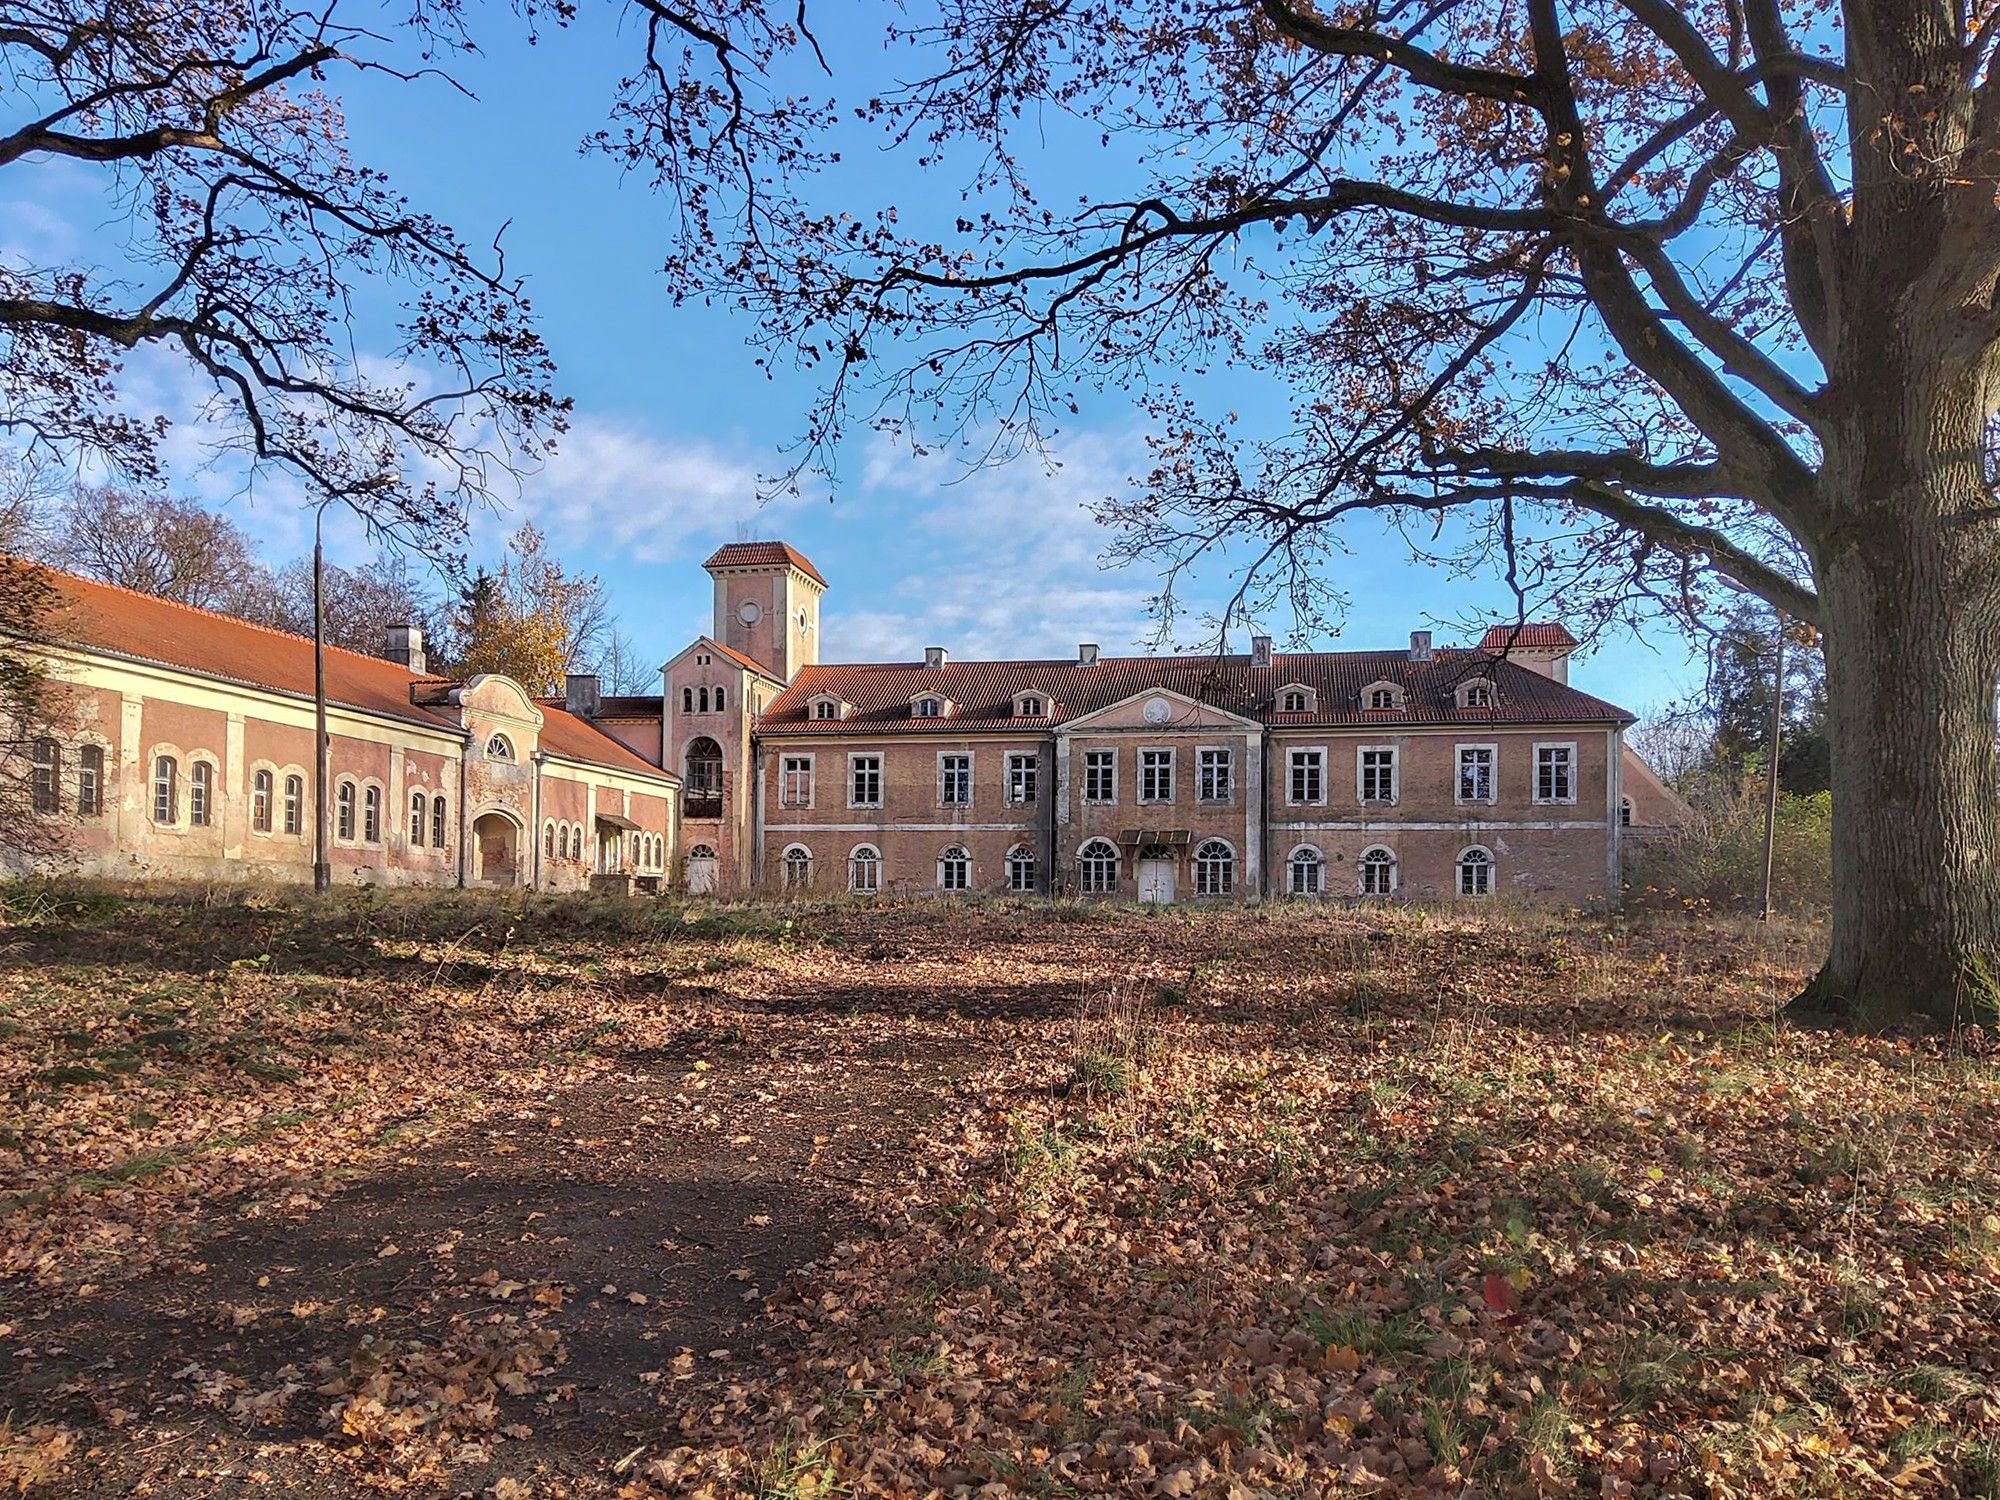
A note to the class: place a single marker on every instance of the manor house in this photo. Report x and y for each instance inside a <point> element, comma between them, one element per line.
<point>1434,771</point>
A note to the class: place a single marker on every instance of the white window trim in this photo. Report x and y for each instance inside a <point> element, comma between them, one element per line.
<point>1398,699</point>
<point>361,838</point>
<point>817,700</point>
<point>853,857</point>
<point>1575,774</point>
<point>1464,692</point>
<point>1311,697</point>
<point>1318,858</point>
<point>1173,775</point>
<point>1395,871</point>
<point>881,777</point>
<point>1014,854</point>
<point>1458,796</point>
<point>971,778</point>
<point>1034,760</point>
<point>1112,800</point>
<point>1292,751</point>
<point>334,835</point>
<point>1022,713</point>
<point>1117,866</point>
<point>1395,775</point>
<point>1228,753</point>
<point>812,779</point>
<point>277,805</point>
<point>1458,873</point>
<point>1194,869</point>
<point>965,889</point>
<point>785,867</point>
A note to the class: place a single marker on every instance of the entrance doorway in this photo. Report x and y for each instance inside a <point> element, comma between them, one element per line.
<point>1156,879</point>
<point>496,847</point>
<point>701,870</point>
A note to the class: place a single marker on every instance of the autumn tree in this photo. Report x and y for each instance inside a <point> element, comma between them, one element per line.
<point>1609,296</point>
<point>531,619</point>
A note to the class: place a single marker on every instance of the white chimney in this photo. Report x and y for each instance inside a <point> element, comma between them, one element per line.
<point>1420,645</point>
<point>404,645</point>
<point>1086,654</point>
<point>936,656</point>
<point>1260,651</point>
<point>583,693</point>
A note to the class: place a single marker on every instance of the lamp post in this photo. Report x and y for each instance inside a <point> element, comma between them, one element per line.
<point>1771,785</point>
<point>322,868</point>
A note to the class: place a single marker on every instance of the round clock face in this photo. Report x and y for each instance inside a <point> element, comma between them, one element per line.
<point>749,614</point>
<point>1158,710</point>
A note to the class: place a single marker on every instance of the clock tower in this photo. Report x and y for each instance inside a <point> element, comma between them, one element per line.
<point>767,605</point>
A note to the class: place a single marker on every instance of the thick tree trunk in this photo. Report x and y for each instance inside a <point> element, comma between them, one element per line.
<point>1910,593</point>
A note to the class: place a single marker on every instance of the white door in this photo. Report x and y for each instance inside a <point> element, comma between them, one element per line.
<point>701,870</point>
<point>1156,881</point>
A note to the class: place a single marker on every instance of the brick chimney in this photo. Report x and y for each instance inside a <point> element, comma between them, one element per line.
<point>1260,651</point>
<point>1420,645</point>
<point>583,694</point>
<point>404,645</point>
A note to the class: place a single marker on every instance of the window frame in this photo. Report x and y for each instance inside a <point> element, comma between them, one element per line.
<point>1364,863</point>
<point>1024,777</point>
<point>263,800</point>
<point>1465,864</point>
<point>1207,864</point>
<point>927,706</point>
<point>955,772</point>
<point>1381,687</point>
<point>790,764</point>
<point>346,809</point>
<point>1022,710</point>
<point>1108,757</point>
<point>1361,754</point>
<point>1157,797</point>
<point>167,781</point>
<point>1571,766</point>
<point>292,805</point>
<point>1086,859</point>
<point>1458,762</point>
<point>371,813</point>
<point>420,815</point>
<point>796,857</point>
<point>860,856</point>
<point>1021,856</point>
<point>90,761</point>
<point>1477,685</point>
<point>45,778</point>
<point>202,783</point>
<point>1626,811</point>
<point>1203,782</point>
<point>1308,699</point>
<point>1297,756</point>
<point>1296,861</point>
<point>956,857</point>
<point>438,820</point>
<point>854,764</point>
<point>506,753</point>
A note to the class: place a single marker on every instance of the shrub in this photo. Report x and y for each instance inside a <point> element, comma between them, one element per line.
<point>1716,861</point>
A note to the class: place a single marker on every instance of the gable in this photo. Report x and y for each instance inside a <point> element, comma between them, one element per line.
<point>1161,711</point>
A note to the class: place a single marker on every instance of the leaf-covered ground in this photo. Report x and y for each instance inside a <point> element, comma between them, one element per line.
<point>447,1195</point>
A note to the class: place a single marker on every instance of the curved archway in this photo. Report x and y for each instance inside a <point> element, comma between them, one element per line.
<point>496,849</point>
<point>701,778</point>
<point>702,869</point>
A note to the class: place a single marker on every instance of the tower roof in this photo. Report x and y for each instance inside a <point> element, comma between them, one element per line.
<point>763,555</point>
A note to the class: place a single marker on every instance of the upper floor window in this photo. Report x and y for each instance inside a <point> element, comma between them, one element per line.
<point>827,706</point>
<point>90,781</point>
<point>1100,775</point>
<point>702,783</point>
<point>687,700</point>
<point>47,780</point>
<point>1022,770</point>
<point>1477,693</point>
<point>1156,775</point>
<point>928,708</point>
<point>1377,772</point>
<point>295,798</point>
<point>499,747</point>
<point>166,789</point>
<point>262,787</point>
<point>1307,784</point>
<point>864,781</point>
<point>1297,699</point>
<point>1217,775</point>
<point>1381,698</point>
<point>795,781</point>
<point>343,806</point>
<point>1555,773</point>
<point>1475,773</point>
<point>1031,706</point>
<point>201,793</point>
<point>954,780</point>
<point>1624,812</point>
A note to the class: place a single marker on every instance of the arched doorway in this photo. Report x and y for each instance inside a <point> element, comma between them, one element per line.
<point>496,847</point>
<point>701,870</point>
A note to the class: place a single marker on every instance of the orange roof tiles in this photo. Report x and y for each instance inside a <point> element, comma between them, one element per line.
<point>763,555</point>
<point>1511,637</point>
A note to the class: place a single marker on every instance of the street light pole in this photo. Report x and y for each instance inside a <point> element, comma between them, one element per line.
<point>1771,786</point>
<point>322,868</point>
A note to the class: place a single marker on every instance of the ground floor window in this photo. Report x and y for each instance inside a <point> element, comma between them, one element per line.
<point>1475,872</point>
<point>295,798</point>
<point>954,870</point>
<point>437,821</point>
<point>1020,868</point>
<point>798,867</point>
<point>1306,869</point>
<point>1378,872</point>
<point>864,870</point>
<point>1097,867</point>
<point>343,805</point>
<point>1214,869</point>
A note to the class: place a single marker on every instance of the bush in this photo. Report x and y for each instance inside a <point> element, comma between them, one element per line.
<point>1716,861</point>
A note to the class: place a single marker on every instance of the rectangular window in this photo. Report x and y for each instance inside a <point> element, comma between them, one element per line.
<point>1475,773</point>
<point>371,815</point>
<point>201,793</point>
<point>166,790</point>
<point>795,781</point>
<point>1100,775</point>
<point>1555,773</point>
<point>295,796</point>
<point>90,781</point>
<point>260,802</point>
<point>437,822</point>
<point>864,784</point>
<point>954,780</point>
<point>1218,775</point>
<point>1376,774</point>
<point>1022,771</point>
<point>48,777</point>
<point>1156,775</point>
<point>419,805</point>
<point>343,802</point>
<point>1308,779</point>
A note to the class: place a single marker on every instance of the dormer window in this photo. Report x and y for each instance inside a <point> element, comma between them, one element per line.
<point>1030,706</point>
<point>1379,695</point>
<point>826,706</point>
<point>929,706</point>
<point>1477,693</point>
<point>1297,698</point>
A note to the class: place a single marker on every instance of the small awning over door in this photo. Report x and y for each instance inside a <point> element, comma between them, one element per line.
<point>618,821</point>
<point>1171,838</point>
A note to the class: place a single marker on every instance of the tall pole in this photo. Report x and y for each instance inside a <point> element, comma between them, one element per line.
<point>1771,785</point>
<point>322,868</point>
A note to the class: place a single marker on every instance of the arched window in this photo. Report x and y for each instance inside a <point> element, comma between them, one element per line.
<point>687,700</point>
<point>721,699</point>
<point>419,806</point>
<point>47,776</point>
<point>864,869</point>
<point>1475,872</point>
<point>1378,872</point>
<point>499,747</point>
<point>1292,701</point>
<point>371,815</point>
<point>1097,867</point>
<point>576,841</point>
<point>295,801</point>
<point>1020,868</point>
<point>260,801</point>
<point>437,821</point>
<point>929,708</point>
<point>955,869</point>
<point>1624,812</point>
<point>701,784</point>
<point>343,810</point>
<point>201,793</point>
<point>798,868</point>
<point>1214,868</point>
<point>1306,869</point>
<point>825,708</point>
<point>702,699</point>
<point>166,789</point>
<point>1384,696</point>
<point>549,839</point>
<point>90,781</point>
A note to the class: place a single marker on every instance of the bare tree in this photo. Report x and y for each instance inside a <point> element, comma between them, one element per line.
<point>361,603</point>
<point>157,544</point>
<point>1616,297</point>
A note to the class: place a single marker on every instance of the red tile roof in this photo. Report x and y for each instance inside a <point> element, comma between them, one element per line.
<point>140,627</point>
<point>763,555</point>
<point>1512,637</point>
<point>984,691</point>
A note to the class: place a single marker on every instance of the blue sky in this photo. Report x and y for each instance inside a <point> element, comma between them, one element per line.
<point>675,423</point>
